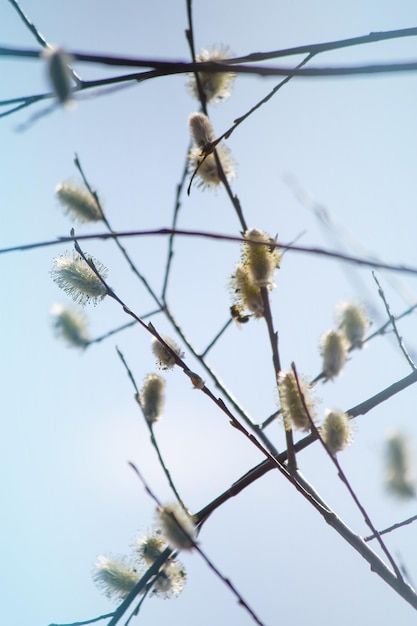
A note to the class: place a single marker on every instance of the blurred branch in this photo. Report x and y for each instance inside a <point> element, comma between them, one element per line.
<point>30,25</point>
<point>168,68</point>
<point>38,36</point>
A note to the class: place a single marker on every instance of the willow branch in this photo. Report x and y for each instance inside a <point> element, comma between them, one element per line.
<point>331,254</point>
<point>393,324</point>
<point>168,68</point>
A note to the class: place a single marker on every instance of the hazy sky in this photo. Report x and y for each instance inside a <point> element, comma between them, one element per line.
<point>70,423</point>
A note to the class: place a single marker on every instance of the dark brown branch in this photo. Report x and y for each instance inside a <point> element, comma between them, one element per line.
<point>167,68</point>
<point>328,46</point>
<point>348,258</point>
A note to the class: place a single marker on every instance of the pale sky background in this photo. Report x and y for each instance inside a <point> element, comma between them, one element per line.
<point>69,420</point>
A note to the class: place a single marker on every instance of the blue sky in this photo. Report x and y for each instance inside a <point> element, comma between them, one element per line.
<point>70,424</point>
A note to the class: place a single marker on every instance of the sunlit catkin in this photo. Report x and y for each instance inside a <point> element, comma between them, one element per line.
<point>260,260</point>
<point>336,431</point>
<point>209,173</point>
<point>215,85</point>
<point>79,203</point>
<point>201,129</point>
<point>292,406</point>
<point>177,527</point>
<point>115,576</point>
<point>245,292</point>
<point>164,358</point>
<point>77,278</point>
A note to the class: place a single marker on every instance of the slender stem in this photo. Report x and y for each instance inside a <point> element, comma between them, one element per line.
<point>328,46</point>
<point>410,520</point>
<point>177,207</point>
<point>394,325</point>
<point>264,100</point>
<point>151,431</point>
<point>129,261</point>
<point>331,254</point>
<point>344,479</point>
<point>216,338</point>
<point>38,36</point>
<point>382,329</point>
<point>190,38</point>
<point>87,621</point>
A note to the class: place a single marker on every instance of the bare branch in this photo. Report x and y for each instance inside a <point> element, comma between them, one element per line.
<point>331,254</point>
<point>394,325</point>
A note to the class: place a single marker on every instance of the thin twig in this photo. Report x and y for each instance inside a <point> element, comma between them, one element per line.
<point>410,520</point>
<point>191,42</point>
<point>381,330</point>
<point>127,257</point>
<point>344,479</point>
<point>196,380</point>
<point>310,50</point>
<point>203,101</point>
<point>393,324</point>
<point>151,432</point>
<point>170,317</point>
<point>115,331</point>
<point>87,621</point>
<point>270,419</point>
<point>39,37</point>
<point>373,37</point>
<point>177,207</point>
<point>203,555</point>
<point>331,254</point>
<point>216,338</point>
<point>273,340</point>
<point>264,100</point>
